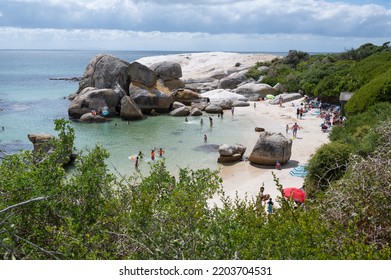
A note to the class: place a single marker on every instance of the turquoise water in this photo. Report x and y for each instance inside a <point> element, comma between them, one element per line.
<point>30,101</point>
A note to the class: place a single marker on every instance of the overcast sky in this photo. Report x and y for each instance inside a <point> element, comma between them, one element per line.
<point>215,25</point>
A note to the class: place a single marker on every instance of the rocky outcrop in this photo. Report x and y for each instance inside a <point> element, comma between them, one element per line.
<point>213,109</point>
<point>174,84</point>
<point>167,70</point>
<point>240,104</point>
<point>43,146</point>
<point>286,97</point>
<point>186,96</point>
<point>259,129</point>
<point>105,71</point>
<point>195,112</point>
<point>92,99</point>
<point>180,112</point>
<point>130,110</point>
<point>279,87</point>
<point>231,153</point>
<point>41,141</point>
<point>199,105</point>
<point>170,73</point>
<point>141,74</point>
<point>221,94</point>
<point>158,97</point>
<point>92,118</point>
<point>263,69</point>
<point>233,80</point>
<point>226,104</point>
<point>177,105</point>
<point>255,91</point>
<point>271,147</point>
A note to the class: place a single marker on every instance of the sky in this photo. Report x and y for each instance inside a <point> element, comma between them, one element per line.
<point>214,25</point>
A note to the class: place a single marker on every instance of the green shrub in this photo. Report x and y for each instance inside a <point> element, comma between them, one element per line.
<point>377,90</point>
<point>328,164</point>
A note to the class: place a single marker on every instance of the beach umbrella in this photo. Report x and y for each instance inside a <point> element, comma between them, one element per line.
<point>270,96</point>
<point>296,194</point>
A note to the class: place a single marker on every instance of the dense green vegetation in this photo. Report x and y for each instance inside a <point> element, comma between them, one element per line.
<point>91,214</point>
<point>365,71</point>
<point>47,212</point>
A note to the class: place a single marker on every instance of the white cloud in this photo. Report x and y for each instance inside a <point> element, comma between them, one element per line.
<point>64,21</point>
<point>179,41</point>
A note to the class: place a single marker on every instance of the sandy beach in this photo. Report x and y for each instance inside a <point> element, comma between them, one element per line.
<point>243,177</point>
<point>246,178</point>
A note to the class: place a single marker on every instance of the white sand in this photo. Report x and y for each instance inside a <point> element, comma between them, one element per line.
<point>246,179</point>
<point>242,177</point>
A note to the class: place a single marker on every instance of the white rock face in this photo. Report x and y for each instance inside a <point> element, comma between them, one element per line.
<point>202,65</point>
<point>218,95</point>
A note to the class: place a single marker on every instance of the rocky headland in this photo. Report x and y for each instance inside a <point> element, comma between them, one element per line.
<point>202,82</point>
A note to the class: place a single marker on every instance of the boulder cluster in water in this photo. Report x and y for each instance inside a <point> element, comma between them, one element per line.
<point>111,87</point>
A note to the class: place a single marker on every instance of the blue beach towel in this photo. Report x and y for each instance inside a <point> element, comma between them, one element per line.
<point>299,171</point>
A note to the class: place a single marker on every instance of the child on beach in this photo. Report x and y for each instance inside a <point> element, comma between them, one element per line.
<point>270,206</point>
<point>278,165</point>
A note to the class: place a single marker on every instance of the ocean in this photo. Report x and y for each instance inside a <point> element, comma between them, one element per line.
<point>31,98</point>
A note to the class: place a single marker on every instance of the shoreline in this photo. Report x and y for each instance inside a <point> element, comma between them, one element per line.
<point>245,179</point>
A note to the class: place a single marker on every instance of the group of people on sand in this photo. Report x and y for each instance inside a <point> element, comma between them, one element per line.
<point>261,198</point>
<point>294,129</point>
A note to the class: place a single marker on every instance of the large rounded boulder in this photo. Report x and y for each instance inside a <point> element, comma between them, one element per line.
<point>233,80</point>
<point>92,99</point>
<point>139,73</point>
<point>255,91</point>
<point>231,153</point>
<point>187,96</point>
<point>169,72</point>
<point>105,71</point>
<point>157,98</point>
<point>213,109</point>
<point>271,147</point>
<point>180,112</point>
<point>130,110</point>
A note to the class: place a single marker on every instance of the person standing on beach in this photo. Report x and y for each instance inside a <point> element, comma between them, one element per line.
<point>161,152</point>
<point>136,163</point>
<point>270,206</point>
<point>153,154</point>
<point>287,129</point>
<point>298,112</point>
<point>210,121</point>
<point>295,127</point>
<point>232,110</point>
<point>202,121</point>
<point>205,138</point>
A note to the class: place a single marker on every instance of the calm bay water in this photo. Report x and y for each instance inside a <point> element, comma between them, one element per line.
<point>30,101</point>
